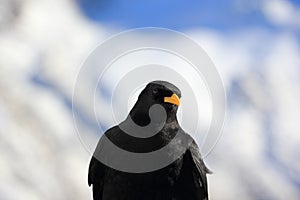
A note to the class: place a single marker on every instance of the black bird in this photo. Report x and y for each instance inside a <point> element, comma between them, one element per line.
<point>185,178</point>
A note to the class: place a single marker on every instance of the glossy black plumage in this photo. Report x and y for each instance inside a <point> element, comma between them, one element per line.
<point>185,178</point>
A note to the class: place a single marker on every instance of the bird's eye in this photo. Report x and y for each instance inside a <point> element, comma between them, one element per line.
<point>155,92</point>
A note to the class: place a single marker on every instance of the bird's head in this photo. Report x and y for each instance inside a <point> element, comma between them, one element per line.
<point>161,92</point>
<point>157,92</point>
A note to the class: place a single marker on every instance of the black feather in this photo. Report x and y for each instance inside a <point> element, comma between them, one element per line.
<point>185,178</point>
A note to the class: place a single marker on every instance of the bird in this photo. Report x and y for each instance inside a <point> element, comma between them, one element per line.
<point>184,178</point>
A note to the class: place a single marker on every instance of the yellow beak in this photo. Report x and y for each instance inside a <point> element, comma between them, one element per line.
<point>174,99</point>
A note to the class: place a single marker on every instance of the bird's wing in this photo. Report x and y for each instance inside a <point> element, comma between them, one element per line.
<point>95,178</point>
<point>97,169</point>
<point>192,183</point>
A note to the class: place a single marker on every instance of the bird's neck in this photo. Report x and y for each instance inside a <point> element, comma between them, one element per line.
<point>140,115</point>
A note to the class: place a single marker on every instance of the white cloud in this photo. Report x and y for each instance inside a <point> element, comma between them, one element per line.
<point>281,12</point>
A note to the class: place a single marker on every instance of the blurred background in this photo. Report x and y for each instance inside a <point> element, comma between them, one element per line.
<point>255,44</point>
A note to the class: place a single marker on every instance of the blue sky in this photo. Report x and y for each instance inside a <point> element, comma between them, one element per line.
<point>223,15</point>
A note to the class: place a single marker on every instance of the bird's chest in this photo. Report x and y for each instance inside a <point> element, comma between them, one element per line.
<point>144,145</point>
<point>152,185</point>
